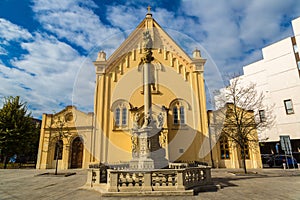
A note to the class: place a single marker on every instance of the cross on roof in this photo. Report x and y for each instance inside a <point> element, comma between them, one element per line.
<point>149,9</point>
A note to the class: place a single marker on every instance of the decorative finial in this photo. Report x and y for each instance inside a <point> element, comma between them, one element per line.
<point>101,56</point>
<point>196,53</point>
<point>149,9</point>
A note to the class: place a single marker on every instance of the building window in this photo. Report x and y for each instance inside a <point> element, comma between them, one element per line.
<point>58,150</point>
<point>182,120</point>
<point>262,115</point>
<point>175,115</point>
<point>224,148</point>
<point>298,64</point>
<point>246,151</point>
<point>120,109</point>
<point>117,117</point>
<point>288,104</point>
<point>295,48</point>
<point>179,108</point>
<point>178,115</point>
<point>121,118</point>
<point>124,116</point>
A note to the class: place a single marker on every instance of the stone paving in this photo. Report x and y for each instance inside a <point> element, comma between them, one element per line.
<point>259,184</point>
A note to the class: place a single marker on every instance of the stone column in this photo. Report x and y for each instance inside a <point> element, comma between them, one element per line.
<point>149,154</point>
<point>147,92</point>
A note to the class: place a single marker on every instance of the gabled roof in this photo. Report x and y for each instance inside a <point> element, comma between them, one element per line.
<point>161,40</point>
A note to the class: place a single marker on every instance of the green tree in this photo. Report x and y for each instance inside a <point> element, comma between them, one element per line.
<point>18,130</point>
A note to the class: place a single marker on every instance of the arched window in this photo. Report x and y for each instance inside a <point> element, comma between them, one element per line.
<point>120,110</point>
<point>178,108</point>
<point>178,114</point>
<point>58,150</point>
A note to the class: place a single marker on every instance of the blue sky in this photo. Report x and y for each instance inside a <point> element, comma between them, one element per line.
<point>47,46</point>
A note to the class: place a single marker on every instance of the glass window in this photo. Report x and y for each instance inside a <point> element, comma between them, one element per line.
<point>175,115</point>
<point>182,120</point>
<point>124,116</point>
<point>58,150</point>
<point>295,48</point>
<point>288,106</point>
<point>298,64</point>
<point>262,116</point>
<point>117,117</point>
<point>224,148</point>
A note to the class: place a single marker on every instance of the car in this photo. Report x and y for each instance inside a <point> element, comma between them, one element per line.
<point>278,160</point>
<point>265,158</point>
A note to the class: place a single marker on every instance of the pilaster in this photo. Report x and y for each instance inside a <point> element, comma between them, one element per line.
<point>99,99</point>
<point>41,155</point>
<point>198,69</point>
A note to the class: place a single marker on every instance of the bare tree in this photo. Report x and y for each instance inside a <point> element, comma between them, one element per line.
<point>241,114</point>
<point>60,131</point>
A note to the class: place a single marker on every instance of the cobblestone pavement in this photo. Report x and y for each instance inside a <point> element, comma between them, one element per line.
<point>259,184</point>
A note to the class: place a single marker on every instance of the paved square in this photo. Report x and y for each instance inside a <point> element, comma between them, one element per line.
<point>266,184</point>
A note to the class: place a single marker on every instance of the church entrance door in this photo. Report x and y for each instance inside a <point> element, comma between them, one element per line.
<point>77,153</point>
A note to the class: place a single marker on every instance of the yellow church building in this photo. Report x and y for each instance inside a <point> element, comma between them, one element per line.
<point>175,102</point>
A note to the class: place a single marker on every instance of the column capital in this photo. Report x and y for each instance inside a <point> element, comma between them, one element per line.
<point>198,65</point>
<point>100,63</point>
<point>198,62</point>
<point>100,67</point>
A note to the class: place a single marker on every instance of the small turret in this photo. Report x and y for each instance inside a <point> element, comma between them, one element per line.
<point>198,61</point>
<point>196,54</point>
<point>101,56</point>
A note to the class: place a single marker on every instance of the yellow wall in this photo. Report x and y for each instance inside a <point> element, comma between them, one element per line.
<point>80,125</point>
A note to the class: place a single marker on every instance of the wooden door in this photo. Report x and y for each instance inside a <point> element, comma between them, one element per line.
<point>77,153</point>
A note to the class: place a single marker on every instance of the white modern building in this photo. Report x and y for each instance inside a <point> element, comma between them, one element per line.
<point>277,75</point>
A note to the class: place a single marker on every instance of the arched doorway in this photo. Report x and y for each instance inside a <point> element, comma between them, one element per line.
<point>77,153</point>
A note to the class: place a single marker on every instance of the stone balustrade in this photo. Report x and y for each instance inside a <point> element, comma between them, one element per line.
<point>178,165</point>
<point>155,180</point>
<point>196,176</point>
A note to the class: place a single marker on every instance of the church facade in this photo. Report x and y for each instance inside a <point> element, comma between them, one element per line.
<point>177,104</point>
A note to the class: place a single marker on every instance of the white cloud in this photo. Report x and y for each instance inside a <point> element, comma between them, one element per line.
<point>47,5</point>
<point>73,21</point>
<point>263,20</point>
<point>10,31</point>
<point>46,56</point>
<point>235,31</point>
<point>45,76</point>
<point>125,17</point>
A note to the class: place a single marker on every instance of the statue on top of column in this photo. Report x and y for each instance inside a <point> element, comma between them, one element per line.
<point>147,46</point>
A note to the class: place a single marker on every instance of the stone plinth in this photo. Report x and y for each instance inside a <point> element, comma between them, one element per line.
<point>147,153</point>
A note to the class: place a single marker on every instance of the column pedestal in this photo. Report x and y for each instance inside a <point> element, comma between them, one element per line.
<point>148,153</point>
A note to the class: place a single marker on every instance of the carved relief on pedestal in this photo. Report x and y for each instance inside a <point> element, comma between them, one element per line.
<point>163,139</point>
<point>136,121</point>
<point>135,146</point>
<point>160,120</point>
